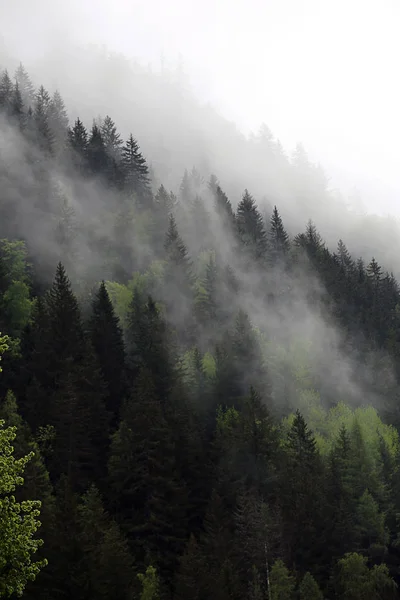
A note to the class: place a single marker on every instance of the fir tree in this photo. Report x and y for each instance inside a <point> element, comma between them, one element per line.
<point>108,344</point>
<point>278,239</point>
<point>78,143</point>
<point>136,171</point>
<point>6,93</point>
<point>251,228</point>
<point>96,152</point>
<point>149,497</point>
<point>111,138</point>
<point>25,85</point>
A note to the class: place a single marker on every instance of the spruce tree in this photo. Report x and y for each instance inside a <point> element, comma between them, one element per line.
<point>96,153</point>
<point>44,134</point>
<point>58,122</point>
<point>148,496</point>
<point>108,344</point>
<point>251,229</point>
<point>111,137</point>
<point>25,85</point>
<point>107,567</point>
<point>278,239</point>
<point>300,496</point>
<point>6,93</point>
<point>78,143</point>
<point>136,171</point>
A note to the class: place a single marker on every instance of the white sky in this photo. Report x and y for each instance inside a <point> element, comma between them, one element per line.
<point>325,72</point>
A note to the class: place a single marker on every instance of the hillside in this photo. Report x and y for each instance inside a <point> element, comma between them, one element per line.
<point>210,389</point>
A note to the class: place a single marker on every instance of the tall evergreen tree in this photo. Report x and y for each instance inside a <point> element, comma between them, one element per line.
<point>251,228</point>
<point>108,344</point>
<point>278,238</point>
<point>25,85</point>
<point>136,171</point>
<point>149,497</point>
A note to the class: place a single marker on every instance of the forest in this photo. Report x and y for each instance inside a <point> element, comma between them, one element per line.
<point>196,402</point>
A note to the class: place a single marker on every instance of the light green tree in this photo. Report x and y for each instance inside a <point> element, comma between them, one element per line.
<point>309,588</point>
<point>18,520</point>
<point>355,581</point>
<point>282,582</point>
<point>150,584</point>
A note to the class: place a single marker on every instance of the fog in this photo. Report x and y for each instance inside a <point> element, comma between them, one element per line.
<point>306,69</point>
<point>319,72</point>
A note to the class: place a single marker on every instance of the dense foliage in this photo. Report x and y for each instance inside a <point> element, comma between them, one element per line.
<point>212,403</point>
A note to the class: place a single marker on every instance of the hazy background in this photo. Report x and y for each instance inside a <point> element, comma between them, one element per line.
<point>320,71</point>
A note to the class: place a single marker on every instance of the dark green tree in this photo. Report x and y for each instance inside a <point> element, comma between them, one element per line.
<point>108,344</point>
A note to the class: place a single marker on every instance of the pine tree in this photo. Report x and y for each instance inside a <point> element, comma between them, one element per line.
<point>248,363</point>
<point>163,207</point>
<point>108,344</point>
<point>300,494</point>
<point>278,239</point>
<point>96,152</point>
<point>107,566</point>
<point>178,278</point>
<point>17,108</point>
<point>58,122</point>
<point>344,257</point>
<point>250,540</point>
<point>145,485</point>
<point>6,93</point>
<point>223,207</point>
<point>309,588</point>
<point>185,190</point>
<point>282,582</point>
<point>111,137</point>
<point>251,228</point>
<point>25,85</point>
<point>136,171</point>
<point>78,143</point>
<point>192,574</point>
<point>66,230</point>
<point>44,134</point>
<point>148,346</point>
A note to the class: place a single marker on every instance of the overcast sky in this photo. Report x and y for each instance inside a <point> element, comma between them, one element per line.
<point>325,72</point>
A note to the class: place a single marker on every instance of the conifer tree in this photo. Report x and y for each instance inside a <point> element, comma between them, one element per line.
<point>6,93</point>
<point>147,492</point>
<point>136,171</point>
<point>223,206</point>
<point>278,239</point>
<point>17,108</point>
<point>112,139</point>
<point>96,152</point>
<point>58,121</point>
<point>300,494</point>
<point>178,277</point>
<point>251,228</point>
<point>44,134</point>
<point>25,85</point>
<point>247,361</point>
<point>78,143</point>
<point>148,345</point>
<point>185,189</point>
<point>66,230</point>
<point>107,566</point>
<point>309,588</point>
<point>108,344</point>
<point>282,582</point>
<point>192,574</point>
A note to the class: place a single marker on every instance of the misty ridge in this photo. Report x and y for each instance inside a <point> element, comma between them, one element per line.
<point>203,346</point>
<point>67,210</point>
